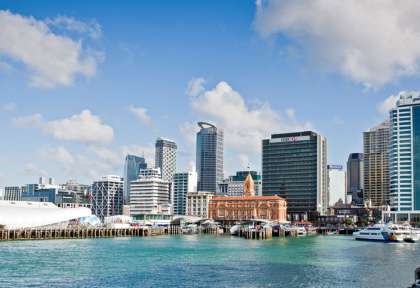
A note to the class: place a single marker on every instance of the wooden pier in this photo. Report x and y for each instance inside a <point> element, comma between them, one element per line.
<point>82,233</point>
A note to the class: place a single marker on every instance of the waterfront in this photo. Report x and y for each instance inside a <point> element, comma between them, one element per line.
<point>207,261</point>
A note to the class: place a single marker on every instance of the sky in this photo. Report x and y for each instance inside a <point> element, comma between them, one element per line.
<point>84,83</point>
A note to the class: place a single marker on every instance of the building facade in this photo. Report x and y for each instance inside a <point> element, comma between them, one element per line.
<point>355,181</point>
<point>294,167</point>
<point>183,183</point>
<point>107,196</point>
<point>404,158</point>
<point>234,185</point>
<point>336,184</point>
<point>376,165</point>
<point>198,203</point>
<point>209,157</point>
<point>248,206</point>
<point>149,194</point>
<point>12,193</point>
<point>165,158</point>
<point>132,166</point>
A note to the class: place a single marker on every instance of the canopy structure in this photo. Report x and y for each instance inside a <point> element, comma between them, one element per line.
<point>24,214</point>
<point>178,219</point>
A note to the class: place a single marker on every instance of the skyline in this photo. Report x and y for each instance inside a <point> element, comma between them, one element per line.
<point>130,74</point>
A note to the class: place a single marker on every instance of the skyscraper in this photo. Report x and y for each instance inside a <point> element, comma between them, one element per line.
<point>294,166</point>
<point>132,166</point>
<point>404,158</point>
<point>376,165</point>
<point>183,183</point>
<point>336,184</point>
<point>165,158</point>
<point>149,194</point>
<point>355,179</point>
<point>107,196</point>
<point>209,157</point>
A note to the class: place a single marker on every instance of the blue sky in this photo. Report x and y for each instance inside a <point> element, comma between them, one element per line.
<point>125,75</point>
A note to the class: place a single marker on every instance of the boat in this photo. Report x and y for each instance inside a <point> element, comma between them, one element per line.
<point>331,233</point>
<point>404,232</point>
<point>190,229</point>
<point>301,231</point>
<point>234,230</point>
<point>380,233</point>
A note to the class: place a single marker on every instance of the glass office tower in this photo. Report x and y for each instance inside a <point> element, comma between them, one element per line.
<point>209,157</point>
<point>132,166</point>
<point>404,158</point>
<point>294,166</point>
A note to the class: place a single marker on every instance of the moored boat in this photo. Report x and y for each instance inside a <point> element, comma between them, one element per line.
<point>377,232</point>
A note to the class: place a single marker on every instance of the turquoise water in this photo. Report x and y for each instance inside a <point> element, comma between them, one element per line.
<point>207,261</point>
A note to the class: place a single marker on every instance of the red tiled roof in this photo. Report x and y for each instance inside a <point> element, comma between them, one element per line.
<point>252,198</point>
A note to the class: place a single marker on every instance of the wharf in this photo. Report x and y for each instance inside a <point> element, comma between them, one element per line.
<point>82,233</point>
<point>260,234</point>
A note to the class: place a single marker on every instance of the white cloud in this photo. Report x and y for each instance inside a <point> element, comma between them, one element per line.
<point>385,106</point>
<point>108,155</point>
<point>9,107</point>
<point>115,157</point>
<point>244,161</point>
<point>244,126</point>
<point>148,151</point>
<point>84,127</point>
<point>141,114</point>
<point>189,131</point>
<point>28,121</point>
<point>195,86</point>
<point>31,169</point>
<point>93,29</point>
<point>52,59</point>
<point>59,154</point>
<point>371,42</point>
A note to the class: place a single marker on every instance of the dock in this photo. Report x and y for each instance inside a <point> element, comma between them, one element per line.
<point>83,233</point>
<point>257,234</point>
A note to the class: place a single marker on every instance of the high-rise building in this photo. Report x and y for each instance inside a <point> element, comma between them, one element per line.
<point>149,194</point>
<point>404,158</point>
<point>209,157</point>
<point>107,196</point>
<point>183,183</point>
<point>336,184</point>
<point>294,167</point>
<point>132,166</point>
<point>355,179</point>
<point>165,158</point>
<point>234,185</point>
<point>376,165</point>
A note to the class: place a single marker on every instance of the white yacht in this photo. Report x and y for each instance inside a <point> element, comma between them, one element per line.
<point>403,232</point>
<point>301,231</point>
<point>377,232</point>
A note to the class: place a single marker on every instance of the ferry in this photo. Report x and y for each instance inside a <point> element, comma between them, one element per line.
<point>378,232</point>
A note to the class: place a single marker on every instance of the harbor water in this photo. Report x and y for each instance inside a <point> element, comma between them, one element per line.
<point>207,261</point>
